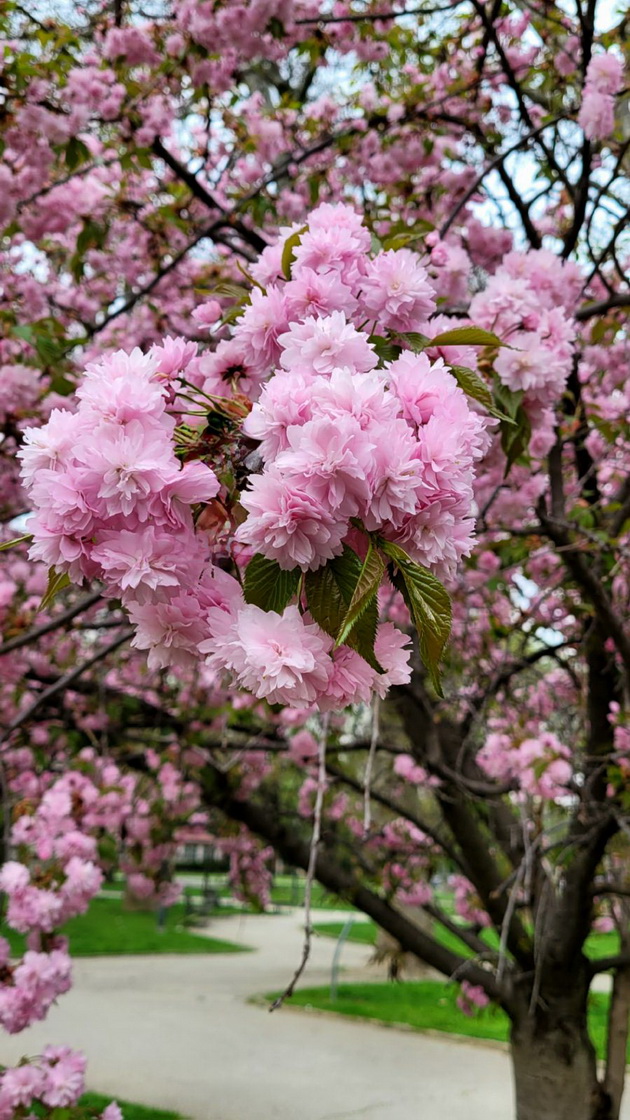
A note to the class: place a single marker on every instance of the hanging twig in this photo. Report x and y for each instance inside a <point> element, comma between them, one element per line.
<point>367,803</point>
<point>312,863</point>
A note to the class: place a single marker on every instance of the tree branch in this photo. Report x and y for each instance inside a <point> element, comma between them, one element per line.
<point>53,624</point>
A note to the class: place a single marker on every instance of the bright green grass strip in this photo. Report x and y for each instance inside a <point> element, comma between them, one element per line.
<point>108,929</point>
<point>130,1111</point>
<point>430,1005</point>
<point>286,893</point>
<point>597,946</point>
<point>362,932</point>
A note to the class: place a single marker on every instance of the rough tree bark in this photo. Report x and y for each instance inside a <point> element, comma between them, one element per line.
<point>555,1073</point>
<point>553,1058</point>
<point>617,1039</point>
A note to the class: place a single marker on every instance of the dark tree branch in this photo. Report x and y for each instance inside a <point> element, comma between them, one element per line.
<point>54,624</point>
<point>590,310</point>
<point>532,232</point>
<point>64,682</point>
<point>334,875</point>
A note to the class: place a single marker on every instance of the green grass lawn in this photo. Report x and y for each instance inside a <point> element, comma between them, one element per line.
<point>107,928</point>
<point>362,932</point>
<point>598,945</point>
<point>130,1111</point>
<point>286,891</point>
<point>430,1005</point>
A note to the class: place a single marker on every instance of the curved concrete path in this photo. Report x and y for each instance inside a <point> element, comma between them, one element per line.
<point>178,1032</point>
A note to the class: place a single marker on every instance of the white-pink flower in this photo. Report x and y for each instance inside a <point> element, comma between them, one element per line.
<point>396,291</point>
<point>281,658</point>
<point>320,345</point>
<point>289,524</point>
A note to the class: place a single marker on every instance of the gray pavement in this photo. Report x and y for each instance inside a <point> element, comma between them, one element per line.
<point>178,1032</point>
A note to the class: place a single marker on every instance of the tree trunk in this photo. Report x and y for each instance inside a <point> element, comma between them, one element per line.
<point>617,1040</point>
<point>555,1073</point>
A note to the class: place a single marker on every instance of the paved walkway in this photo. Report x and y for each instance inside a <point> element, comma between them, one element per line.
<point>177,1032</point>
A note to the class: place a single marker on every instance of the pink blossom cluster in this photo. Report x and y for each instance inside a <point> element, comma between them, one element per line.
<point>55,878</point>
<point>251,864</point>
<point>112,500</point>
<point>407,868</point>
<point>340,438</point>
<point>343,441</point>
<point>20,390</point>
<point>54,1080</point>
<point>467,902</point>
<point>604,80</point>
<point>529,302</point>
<point>538,765</point>
<point>471,998</point>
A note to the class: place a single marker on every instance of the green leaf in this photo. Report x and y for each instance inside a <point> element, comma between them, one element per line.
<point>40,336</point>
<point>515,437</point>
<point>329,592</point>
<point>248,276</point>
<point>16,540</point>
<point>269,586</point>
<point>365,591</point>
<point>56,583</point>
<point>91,236</point>
<point>475,388</point>
<point>325,601</point>
<point>288,255</point>
<point>516,429</point>
<point>406,236</point>
<point>429,605</point>
<point>510,400</point>
<point>225,288</point>
<point>76,152</point>
<point>466,336</point>
<point>416,341</point>
<point>385,350</point>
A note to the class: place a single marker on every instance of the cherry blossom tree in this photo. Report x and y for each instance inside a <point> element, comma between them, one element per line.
<point>313,397</point>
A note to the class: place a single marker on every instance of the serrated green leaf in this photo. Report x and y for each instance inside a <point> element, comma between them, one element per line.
<point>467,336</point>
<point>516,429</point>
<point>472,385</point>
<point>364,592</point>
<point>406,236</point>
<point>329,592</point>
<point>76,152</point>
<point>225,288</point>
<point>288,254</point>
<point>429,605</point>
<point>416,341</point>
<point>56,583</point>
<point>16,540</point>
<point>248,276</point>
<point>475,388</point>
<point>510,400</point>
<point>269,586</point>
<point>325,601</point>
<point>515,437</point>
<point>25,332</point>
<point>385,350</point>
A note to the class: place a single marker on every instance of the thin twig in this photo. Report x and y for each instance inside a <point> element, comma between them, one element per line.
<point>367,803</point>
<point>444,228</point>
<point>312,863</point>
